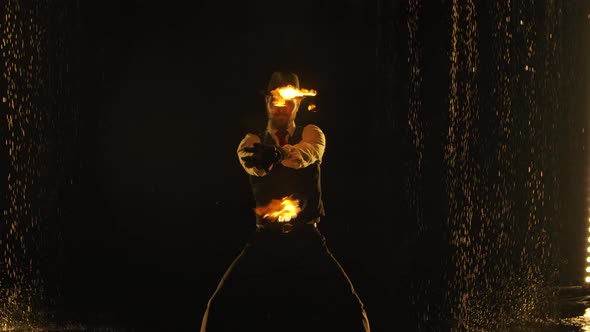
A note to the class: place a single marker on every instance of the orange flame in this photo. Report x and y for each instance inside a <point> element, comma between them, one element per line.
<point>289,92</point>
<point>281,210</point>
<point>311,107</point>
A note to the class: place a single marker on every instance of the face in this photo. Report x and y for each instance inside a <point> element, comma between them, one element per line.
<point>281,116</point>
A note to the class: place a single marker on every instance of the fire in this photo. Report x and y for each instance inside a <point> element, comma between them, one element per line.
<point>311,107</point>
<point>280,95</point>
<point>281,210</point>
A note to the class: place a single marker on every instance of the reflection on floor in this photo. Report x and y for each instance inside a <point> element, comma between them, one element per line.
<point>574,312</point>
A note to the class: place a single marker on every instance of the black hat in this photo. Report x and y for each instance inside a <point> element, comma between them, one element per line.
<point>280,78</point>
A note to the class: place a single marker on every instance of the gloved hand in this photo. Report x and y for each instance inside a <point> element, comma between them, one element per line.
<point>264,155</point>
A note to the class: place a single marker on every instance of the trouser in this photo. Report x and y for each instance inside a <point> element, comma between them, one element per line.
<point>285,282</point>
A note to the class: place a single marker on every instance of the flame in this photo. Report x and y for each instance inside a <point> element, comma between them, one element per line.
<point>281,210</point>
<point>311,107</point>
<point>289,92</point>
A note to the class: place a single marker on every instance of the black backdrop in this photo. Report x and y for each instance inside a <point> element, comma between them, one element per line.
<point>168,91</point>
<point>143,202</point>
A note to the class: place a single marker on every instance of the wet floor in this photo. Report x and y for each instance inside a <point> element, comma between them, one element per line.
<point>574,316</point>
<point>574,307</point>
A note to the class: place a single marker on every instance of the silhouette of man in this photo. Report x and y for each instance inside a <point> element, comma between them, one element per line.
<point>285,278</point>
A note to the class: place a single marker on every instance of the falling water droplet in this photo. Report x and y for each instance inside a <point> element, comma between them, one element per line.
<point>34,158</point>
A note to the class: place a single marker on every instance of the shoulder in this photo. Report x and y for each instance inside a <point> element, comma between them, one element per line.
<point>312,128</point>
<point>254,132</point>
<point>312,132</point>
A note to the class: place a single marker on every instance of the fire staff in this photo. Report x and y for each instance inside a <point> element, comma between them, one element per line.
<point>285,278</point>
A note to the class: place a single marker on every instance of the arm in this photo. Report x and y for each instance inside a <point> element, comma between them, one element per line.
<point>247,142</point>
<point>308,151</point>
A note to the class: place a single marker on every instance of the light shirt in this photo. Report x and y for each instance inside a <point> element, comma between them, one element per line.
<point>299,155</point>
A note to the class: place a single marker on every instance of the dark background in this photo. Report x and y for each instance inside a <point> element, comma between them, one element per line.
<point>167,92</point>
<point>140,204</point>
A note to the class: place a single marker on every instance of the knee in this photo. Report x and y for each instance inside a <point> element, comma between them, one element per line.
<point>217,300</point>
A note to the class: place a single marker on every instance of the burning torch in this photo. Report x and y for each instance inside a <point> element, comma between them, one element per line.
<point>279,210</point>
<point>289,92</point>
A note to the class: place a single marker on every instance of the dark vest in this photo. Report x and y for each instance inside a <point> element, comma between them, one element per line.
<point>303,184</point>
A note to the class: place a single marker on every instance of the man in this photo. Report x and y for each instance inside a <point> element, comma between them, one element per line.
<point>285,278</point>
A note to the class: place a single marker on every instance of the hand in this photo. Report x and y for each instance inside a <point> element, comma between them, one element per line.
<point>264,155</point>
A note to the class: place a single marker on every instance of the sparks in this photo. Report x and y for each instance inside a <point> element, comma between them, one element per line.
<point>289,92</point>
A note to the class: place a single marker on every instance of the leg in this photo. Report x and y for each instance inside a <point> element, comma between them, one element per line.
<point>234,306</point>
<point>205,325</point>
<point>336,304</point>
<point>358,310</point>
